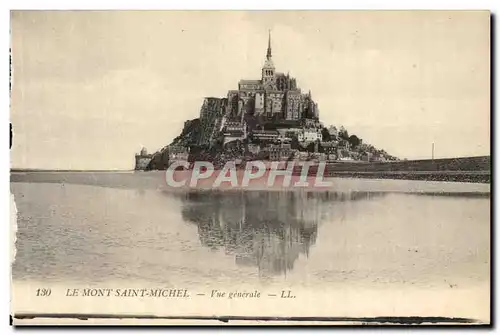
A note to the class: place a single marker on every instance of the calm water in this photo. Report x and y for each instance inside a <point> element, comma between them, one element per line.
<point>73,232</point>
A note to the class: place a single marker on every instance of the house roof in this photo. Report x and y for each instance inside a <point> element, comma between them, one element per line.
<point>249,81</point>
<point>271,132</point>
<point>233,133</point>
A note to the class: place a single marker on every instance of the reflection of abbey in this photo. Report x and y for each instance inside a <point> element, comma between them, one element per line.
<point>266,230</point>
<point>274,97</point>
<point>269,231</point>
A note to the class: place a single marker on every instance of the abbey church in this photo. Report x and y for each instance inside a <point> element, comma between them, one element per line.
<point>275,98</point>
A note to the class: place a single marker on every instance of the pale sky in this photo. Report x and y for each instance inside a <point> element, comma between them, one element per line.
<point>91,88</point>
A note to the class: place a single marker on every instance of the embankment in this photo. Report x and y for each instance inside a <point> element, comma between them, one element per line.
<point>463,169</point>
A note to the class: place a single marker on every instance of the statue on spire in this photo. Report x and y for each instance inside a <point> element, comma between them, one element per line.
<point>269,54</point>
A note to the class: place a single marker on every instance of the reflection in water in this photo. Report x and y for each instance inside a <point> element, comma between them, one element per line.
<point>268,230</point>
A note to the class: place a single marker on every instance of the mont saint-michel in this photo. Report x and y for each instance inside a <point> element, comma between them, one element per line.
<point>273,119</point>
<point>270,118</point>
<point>267,193</point>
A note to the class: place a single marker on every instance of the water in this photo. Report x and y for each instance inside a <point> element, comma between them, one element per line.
<point>319,240</point>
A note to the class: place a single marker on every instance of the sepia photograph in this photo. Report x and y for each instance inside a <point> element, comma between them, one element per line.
<point>230,167</point>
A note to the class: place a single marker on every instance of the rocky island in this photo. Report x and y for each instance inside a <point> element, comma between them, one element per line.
<point>272,119</point>
<point>268,119</point>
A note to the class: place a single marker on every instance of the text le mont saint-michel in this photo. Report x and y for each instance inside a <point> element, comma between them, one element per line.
<point>172,293</point>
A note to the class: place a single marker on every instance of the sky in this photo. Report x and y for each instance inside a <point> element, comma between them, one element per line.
<point>91,88</point>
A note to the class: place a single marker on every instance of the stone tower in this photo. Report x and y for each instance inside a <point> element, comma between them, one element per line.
<point>268,70</point>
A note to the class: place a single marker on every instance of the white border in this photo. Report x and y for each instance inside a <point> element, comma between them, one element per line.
<point>253,4</point>
<point>7,5</point>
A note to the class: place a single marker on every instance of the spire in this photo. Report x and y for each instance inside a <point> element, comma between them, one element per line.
<point>269,55</point>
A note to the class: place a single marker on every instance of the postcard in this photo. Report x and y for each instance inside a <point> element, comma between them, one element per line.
<point>250,167</point>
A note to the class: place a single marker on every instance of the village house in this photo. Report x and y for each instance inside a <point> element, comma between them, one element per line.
<point>282,136</point>
<point>280,152</point>
<point>329,147</point>
<point>310,135</point>
<point>265,135</point>
<point>234,131</point>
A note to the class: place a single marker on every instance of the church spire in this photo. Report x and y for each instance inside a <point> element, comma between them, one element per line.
<point>269,55</point>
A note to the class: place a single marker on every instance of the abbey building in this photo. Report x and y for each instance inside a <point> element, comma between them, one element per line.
<point>269,119</point>
<point>275,98</point>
